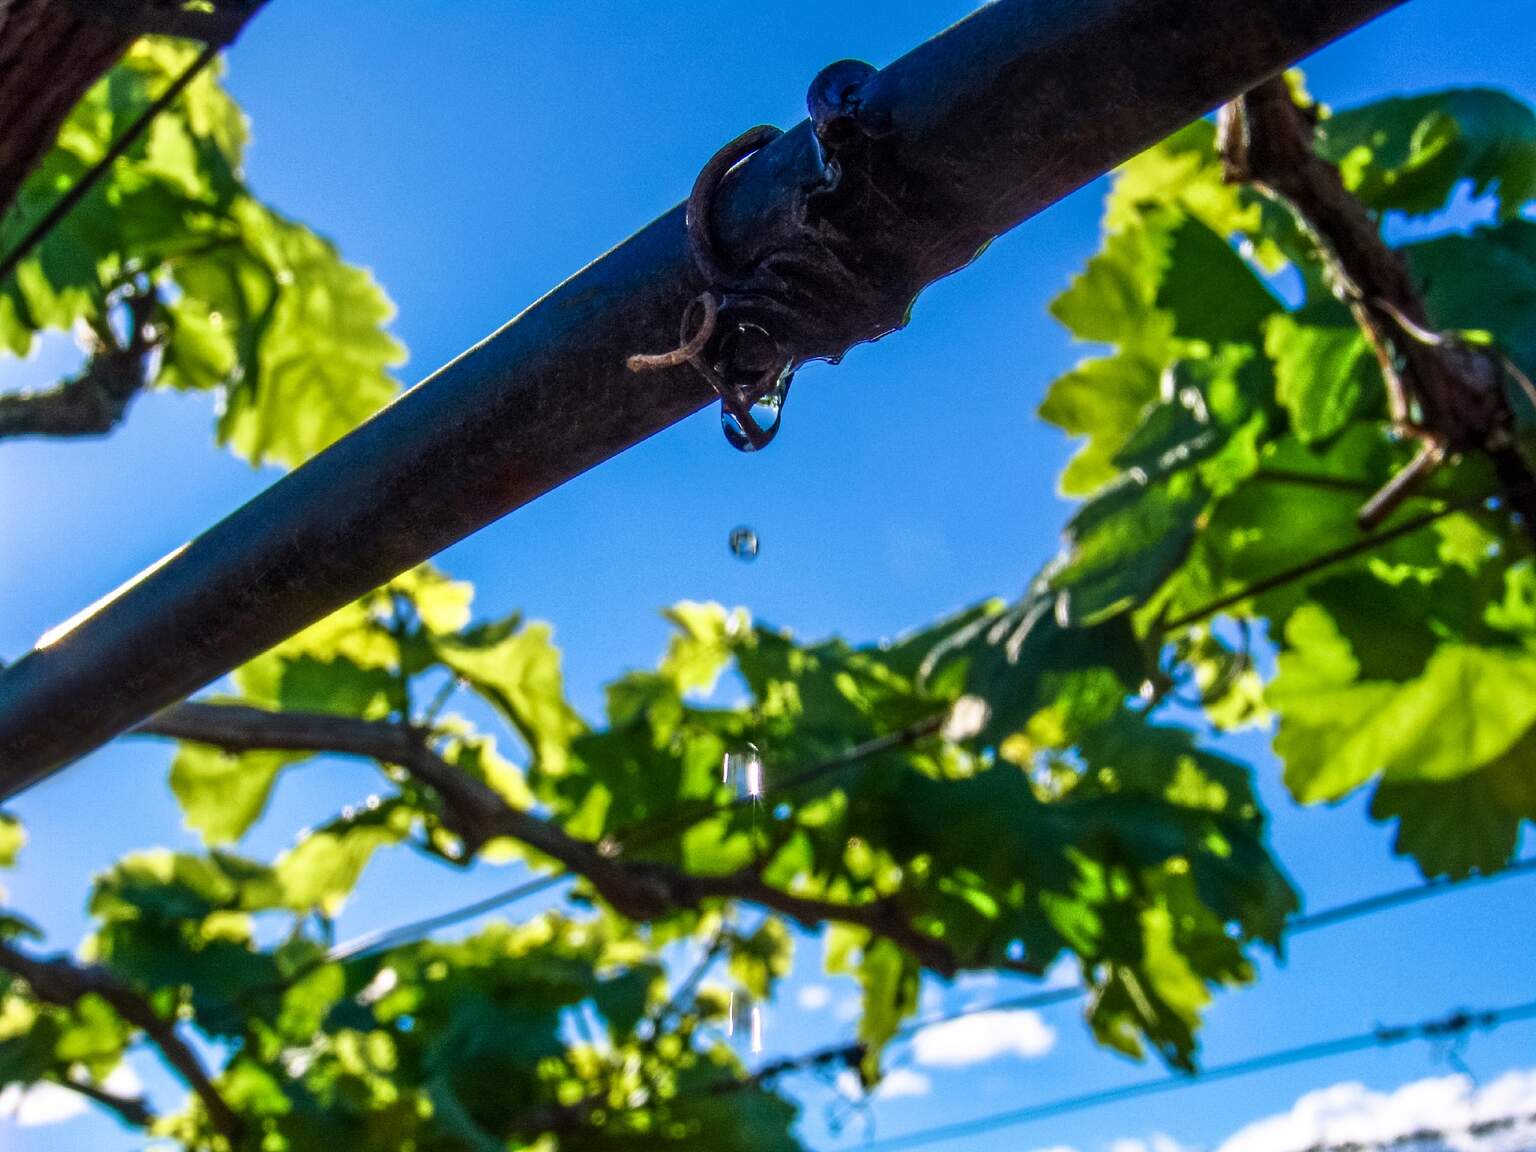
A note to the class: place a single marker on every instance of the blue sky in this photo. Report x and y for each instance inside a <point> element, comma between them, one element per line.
<point>475,153</point>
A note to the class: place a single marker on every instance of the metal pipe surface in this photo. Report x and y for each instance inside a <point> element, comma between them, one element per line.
<point>970,134</point>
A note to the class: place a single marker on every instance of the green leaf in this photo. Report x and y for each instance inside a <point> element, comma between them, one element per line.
<point>477,757</point>
<point>1024,660</point>
<point>1101,400</point>
<point>760,960</point>
<point>1184,172</point>
<point>1124,543</point>
<point>1114,299</point>
<point>1322,375</point>
<point>324,357</point>
<point>323,868</point>
<point>163,886</point>
<point>221,794</point>
<point>1300,506</point>
<point>1409,153</point>
<point>199,352</point>
<point>1470,706</point>
<point>1453,828</point>
<point>891,982</point>
<point>13,837</point>
<point>1211,293</point>
<point>1484,281</point>
<point>519,674</point>
<point>702,647</point>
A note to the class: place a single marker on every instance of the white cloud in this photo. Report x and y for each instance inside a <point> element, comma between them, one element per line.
<point>40,1105</point>
<point>1160,1142</point>
<point>981,1037</point>
<point>904,1082</point>
<point>1350,1113</point>
<point>44,1104</point>
<point>813,997</point>
<point>1062,974</point>
<point>897,1083</point>
<point>983,980</point>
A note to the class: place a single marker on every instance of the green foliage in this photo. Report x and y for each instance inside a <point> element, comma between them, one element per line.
<point>1403,663</point>
<point>13,837</point>
<point>1484,281</point>
<point>1409,154</point>
<point>241,301</point>
<point>1004,788</point>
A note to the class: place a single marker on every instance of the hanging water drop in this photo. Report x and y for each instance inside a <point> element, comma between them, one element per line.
<point>765,414</point>
<point>744,544</point>
<point>749,357</point>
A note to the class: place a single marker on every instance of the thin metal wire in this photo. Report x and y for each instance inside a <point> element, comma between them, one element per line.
<point>1050,997</point>
<point>1455,1024</point>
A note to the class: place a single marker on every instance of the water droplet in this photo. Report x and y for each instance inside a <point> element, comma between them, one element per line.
<point>744,544</point>
<point>783,812</point>
<point>765,416</point>
<point>744,1017</point>
<point>745,362</point>
<point>743,769</point>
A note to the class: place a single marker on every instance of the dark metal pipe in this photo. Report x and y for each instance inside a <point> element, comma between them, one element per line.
<point>961,140</point>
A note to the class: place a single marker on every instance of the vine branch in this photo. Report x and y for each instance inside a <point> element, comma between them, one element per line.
<point>1318,563</point>
<point>1442,391</point>
<point>640,890</point>
<point>132,1110</point>
<point>95,401</point>
<point>64,983</point>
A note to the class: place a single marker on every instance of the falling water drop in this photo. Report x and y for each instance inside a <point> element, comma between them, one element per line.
<point>744,544</point>
<point>743,769</point>
<point>744,1020</point>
